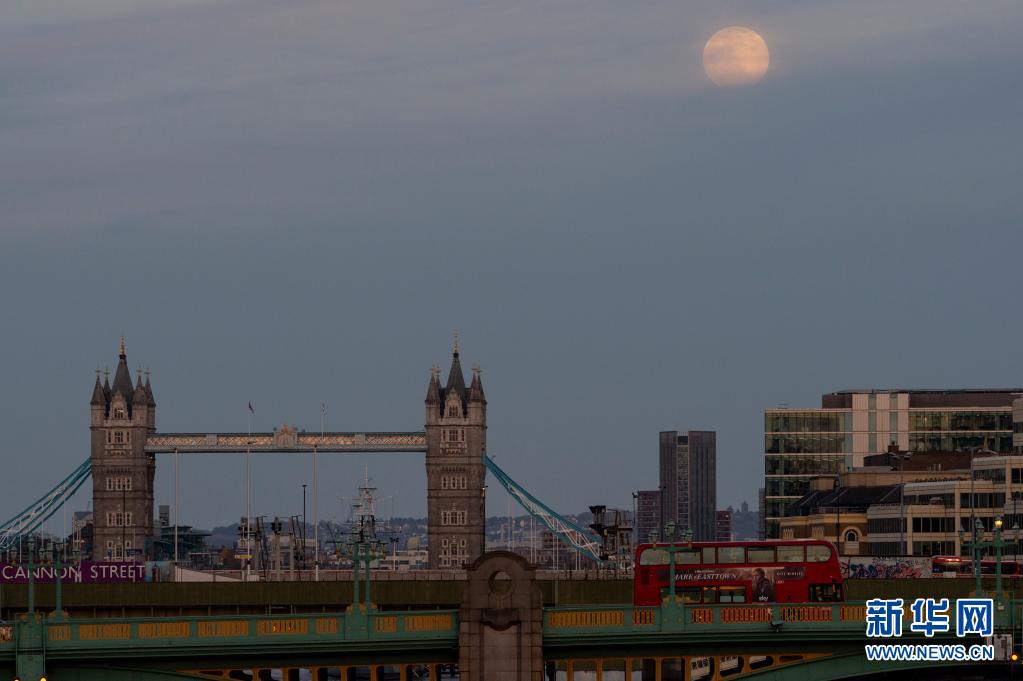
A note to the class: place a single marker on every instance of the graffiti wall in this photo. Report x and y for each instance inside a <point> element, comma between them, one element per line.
<point>866,567</point>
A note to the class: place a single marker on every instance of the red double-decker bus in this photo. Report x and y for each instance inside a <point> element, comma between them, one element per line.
<point>953,566</point>
<point>782,571</point>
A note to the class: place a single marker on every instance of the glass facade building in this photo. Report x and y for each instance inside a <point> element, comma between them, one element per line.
<point>803,443</point>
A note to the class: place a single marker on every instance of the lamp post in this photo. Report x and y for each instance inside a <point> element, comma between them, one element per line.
<point>672,534</point>
<point>977,545</point>
<point>974,545</point>
<point>303,527</point>
<point>669,536</point>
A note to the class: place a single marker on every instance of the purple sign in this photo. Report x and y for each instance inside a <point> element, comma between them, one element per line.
<point>86,572</point>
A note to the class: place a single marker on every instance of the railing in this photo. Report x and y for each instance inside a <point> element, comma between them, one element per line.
<point>127,634</point>
<point>699,618</point>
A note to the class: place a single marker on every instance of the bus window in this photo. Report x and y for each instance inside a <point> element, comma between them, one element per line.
<point>818,554</point>
<point>731,554</point>
<point>687,557</point>
<point>653,557</point>
<point>732,594</point>
<point>790,554</point>
<point>689,595</point>
<point>708,555</point>
<point>825,593</point>
<point>760,554</point>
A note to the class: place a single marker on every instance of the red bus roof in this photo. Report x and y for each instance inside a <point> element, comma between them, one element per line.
<point>765,542</point>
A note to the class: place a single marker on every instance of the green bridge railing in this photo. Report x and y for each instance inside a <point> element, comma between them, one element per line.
<point>62,637</point>
<point>700,618</point>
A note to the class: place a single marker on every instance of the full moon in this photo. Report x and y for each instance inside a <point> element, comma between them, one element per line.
<point>736,56</point>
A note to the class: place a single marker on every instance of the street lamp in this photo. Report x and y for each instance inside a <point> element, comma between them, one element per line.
<point>672,534</point>
<point>977,545</point>
<point>974,545</point>
<point>998,555</point>
<point>303,527</point>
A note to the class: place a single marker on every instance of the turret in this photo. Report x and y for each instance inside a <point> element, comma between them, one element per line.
<point>477,400</point>
<point>433,395</point>
<point>140,401</point>
<point>98,403</point>
<point>150,404</point>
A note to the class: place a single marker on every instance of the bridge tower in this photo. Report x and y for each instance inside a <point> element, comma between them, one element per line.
<point>456,441</point>
<point>121,416</point>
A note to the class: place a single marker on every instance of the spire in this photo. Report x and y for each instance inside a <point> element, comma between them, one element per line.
<point>456,380</point>
<point>122,378</point>
<point>454,345</point>
<point>122,354</point>
<point>139,397</point>
<point>476,387</point>
<point>433,391</point>
<point>99,397</point>
<point>151,401</point>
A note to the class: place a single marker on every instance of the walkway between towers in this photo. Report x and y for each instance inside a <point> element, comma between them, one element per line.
<point>290,440</point>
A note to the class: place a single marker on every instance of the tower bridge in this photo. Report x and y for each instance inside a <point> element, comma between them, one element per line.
<point>125,442</point>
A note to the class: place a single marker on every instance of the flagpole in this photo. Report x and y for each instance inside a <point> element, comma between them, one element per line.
<point>316,524</point>
<point>248,501</point>
<point>316,499</point>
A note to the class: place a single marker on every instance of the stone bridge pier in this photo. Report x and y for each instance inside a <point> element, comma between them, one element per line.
<point>500,634</point>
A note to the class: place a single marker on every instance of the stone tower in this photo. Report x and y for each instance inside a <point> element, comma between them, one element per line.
<point>456,441</point>
<point>121,416</point>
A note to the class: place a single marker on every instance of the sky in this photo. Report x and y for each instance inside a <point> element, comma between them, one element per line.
<point>295,203</point>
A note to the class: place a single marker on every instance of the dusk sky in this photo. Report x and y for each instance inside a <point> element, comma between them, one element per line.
<point>295,203</point>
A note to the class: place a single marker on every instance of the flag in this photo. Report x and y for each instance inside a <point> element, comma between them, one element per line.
<point>251,410</point>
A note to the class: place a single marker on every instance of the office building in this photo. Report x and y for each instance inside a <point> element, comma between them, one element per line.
<point>724,525</point>
<point>1017,426</point>
<point>851,425</point>
<point>745,523</point>
<point>688,482</point>
<point>648,515</point>
<point>880,512</point>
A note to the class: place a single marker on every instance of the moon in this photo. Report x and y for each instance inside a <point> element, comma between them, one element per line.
<point>736,55</point>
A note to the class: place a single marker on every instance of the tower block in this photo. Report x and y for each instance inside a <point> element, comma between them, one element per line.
<point>456,441</point>
<point>121,416</point>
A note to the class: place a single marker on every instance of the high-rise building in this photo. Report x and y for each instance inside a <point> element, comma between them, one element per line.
<point>121,416</point>
<point>688,481</point>
<point>648,514</point>
<point>852,424</point>
<point>762,513</point>
<point>724,525</point>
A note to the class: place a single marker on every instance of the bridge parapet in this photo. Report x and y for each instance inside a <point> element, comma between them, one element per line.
<point>839,618</point>
<point>183,636</point>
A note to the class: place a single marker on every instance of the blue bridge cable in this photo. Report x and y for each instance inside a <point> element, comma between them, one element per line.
<point>49,502</point>
<point>35,504</point>
<point>37,513</point>
<point>585,542</point>
<point>57,503</point>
